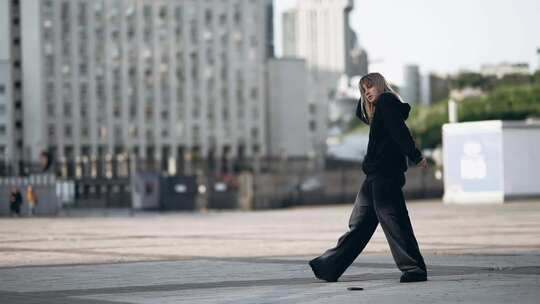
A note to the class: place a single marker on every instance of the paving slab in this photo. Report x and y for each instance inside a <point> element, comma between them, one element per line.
<point>475,254</point>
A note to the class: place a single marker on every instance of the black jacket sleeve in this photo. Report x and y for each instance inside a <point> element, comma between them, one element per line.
<point>394,123</point>
<point>361,112</point>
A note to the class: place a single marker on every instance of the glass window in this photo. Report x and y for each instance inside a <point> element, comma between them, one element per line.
<point>67,131</point>
<point>193,31</point>
<point>312,125</point>
<point>223,19</point>
<point>50,109</point>
<point>118,133</point>
<point>51,130</point>
<point>237,14</point>
<point>67,110</point>
<point>85,132</point>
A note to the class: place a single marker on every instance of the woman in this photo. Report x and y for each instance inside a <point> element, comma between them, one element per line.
<point>32,199</point>
<point>15,199</point>
<point>380,199</point>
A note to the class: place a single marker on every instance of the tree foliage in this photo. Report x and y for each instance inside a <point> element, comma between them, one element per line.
<point>509,98</point>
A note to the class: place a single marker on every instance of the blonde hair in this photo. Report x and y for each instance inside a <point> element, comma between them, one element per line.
<point>369,80</point>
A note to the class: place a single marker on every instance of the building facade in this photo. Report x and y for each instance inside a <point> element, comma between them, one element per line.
<point>538,63</point>
<point>163,81</point>
<point>504,68</point>
<point>11,97</point>
<point>411,91</point>
<point>287,108</point>
<point>289,33</point>
<point>319,32</point>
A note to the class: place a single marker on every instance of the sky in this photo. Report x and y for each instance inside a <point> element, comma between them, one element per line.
<point>440,36</point>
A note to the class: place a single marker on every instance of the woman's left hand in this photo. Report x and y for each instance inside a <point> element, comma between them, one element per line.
<point>423,163</point>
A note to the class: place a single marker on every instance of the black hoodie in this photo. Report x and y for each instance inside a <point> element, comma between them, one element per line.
<point>390,141</point>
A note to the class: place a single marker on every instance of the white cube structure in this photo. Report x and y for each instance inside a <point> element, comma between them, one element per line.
<point>491,161</point>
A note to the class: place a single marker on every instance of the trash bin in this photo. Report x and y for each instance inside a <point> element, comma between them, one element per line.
<point>178,192</point>
<point>222,193</point>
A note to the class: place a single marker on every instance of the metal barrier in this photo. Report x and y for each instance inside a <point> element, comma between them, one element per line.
<point>152,191</point>
<point>330,187</point>
<point>44,187</point>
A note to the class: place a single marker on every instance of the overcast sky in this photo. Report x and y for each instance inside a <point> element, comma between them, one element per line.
<point>440,36</point>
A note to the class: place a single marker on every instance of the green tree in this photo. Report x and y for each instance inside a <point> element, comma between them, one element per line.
<point>505,102</point>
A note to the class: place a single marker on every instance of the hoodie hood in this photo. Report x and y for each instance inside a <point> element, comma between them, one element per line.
<point>405,109</point>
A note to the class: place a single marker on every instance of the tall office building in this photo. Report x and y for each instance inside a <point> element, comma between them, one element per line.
<point>289,33</point>
<point>356,56</point>
<point>287,109</point>
<point>11,114</point>
<point>411,87</point>
<point>163,80</point>
<point>538,63</point>
<point>434,88</point>
<point>319,32</point>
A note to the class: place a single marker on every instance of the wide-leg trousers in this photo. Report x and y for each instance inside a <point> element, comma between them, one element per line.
<point>380,200</point>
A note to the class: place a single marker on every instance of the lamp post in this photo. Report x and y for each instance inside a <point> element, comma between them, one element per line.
<point>452,111</point>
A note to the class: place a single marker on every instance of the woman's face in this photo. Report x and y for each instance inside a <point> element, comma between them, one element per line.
<point>371,93</point>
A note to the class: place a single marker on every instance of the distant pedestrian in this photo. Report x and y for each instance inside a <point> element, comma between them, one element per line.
<point>380,199</point>
<point>15,201</point>
<point>32,199</point>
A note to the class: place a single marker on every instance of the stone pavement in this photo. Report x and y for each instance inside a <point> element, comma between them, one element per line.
<point>475,254</point>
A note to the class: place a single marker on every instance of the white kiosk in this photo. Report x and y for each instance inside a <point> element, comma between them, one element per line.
<point>491,161</point>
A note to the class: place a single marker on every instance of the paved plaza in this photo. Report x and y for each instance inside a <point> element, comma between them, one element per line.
<point>475,254</point>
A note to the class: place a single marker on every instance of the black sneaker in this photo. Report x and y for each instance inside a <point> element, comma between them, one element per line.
<point>412,277</point>
<point>318,275</point>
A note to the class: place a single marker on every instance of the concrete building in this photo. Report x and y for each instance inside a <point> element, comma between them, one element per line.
<point>434,88</point>
<point>287,108</point>
<point>342,108</point>
<point>6,102</point>
<point>289,33</point>
<point>411,87</point>
<point>504,68</point>
<point>359,62</point>
<point>319,32</point>
<point>166,81</point>
<point>538,54</point>
<point>11,122</point>
<point>357,57</point>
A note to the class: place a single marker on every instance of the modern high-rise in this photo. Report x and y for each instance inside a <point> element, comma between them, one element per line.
<point>319,32</point>
<point>434,88</point>
<point>411,92</point>
<point>11,113</point>
<point>163,80</point>
<point>287,108</point>
<point>289,33</point>
<point>538,63</point>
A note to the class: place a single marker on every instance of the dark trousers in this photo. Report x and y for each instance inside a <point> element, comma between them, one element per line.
<point>15,209</point>
<point>380,200</point>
